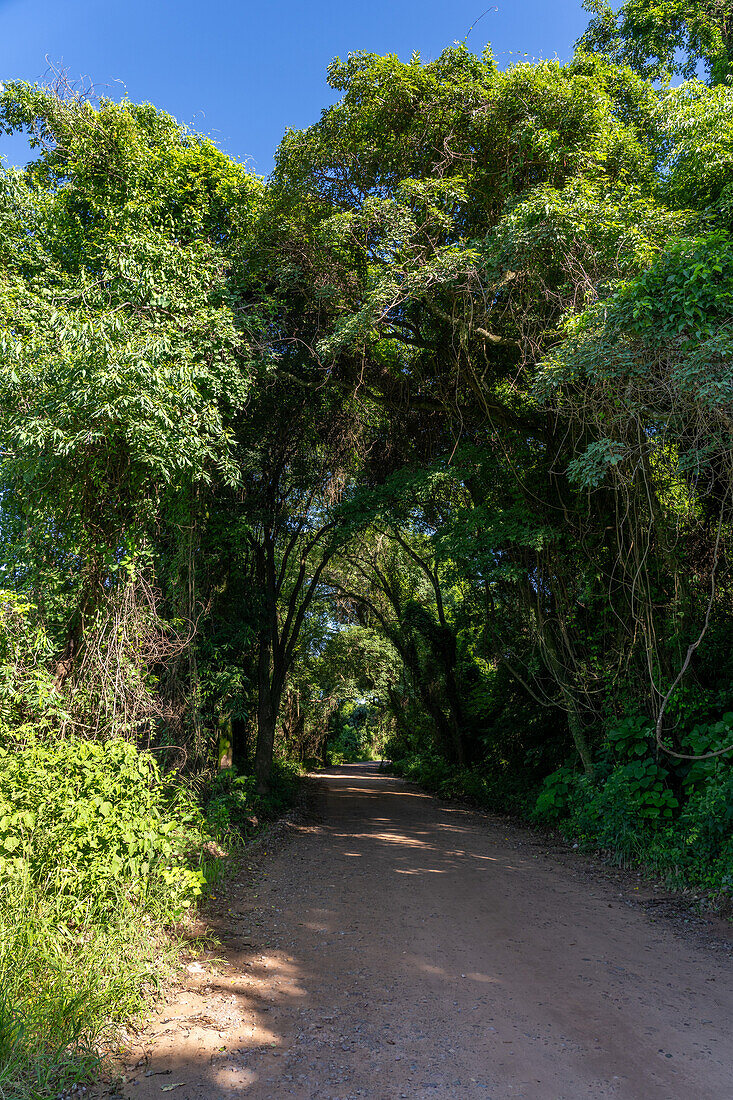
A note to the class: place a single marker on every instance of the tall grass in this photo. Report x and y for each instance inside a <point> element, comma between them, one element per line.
<point>63,988</point>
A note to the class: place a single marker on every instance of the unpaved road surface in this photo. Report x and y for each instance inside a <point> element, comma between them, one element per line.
<point>398,947</point>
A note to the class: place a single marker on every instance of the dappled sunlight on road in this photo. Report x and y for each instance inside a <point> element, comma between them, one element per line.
<point>424,951</point>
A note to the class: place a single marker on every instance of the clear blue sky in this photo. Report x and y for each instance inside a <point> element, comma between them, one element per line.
<point>242,71</point>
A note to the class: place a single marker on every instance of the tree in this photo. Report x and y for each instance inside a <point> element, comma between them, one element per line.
<point>453,215</point>
<point>294,460</point>
<point>121,365</point>
<point>663,38</point>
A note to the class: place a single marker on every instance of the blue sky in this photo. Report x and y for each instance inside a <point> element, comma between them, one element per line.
<point>243,72</point>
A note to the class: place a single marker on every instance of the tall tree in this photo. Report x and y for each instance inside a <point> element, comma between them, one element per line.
<point>121,364</point>
<point>664,38</point>
<point>454,214</point>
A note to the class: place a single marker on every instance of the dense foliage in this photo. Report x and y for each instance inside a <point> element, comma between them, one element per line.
<point>422,448</point>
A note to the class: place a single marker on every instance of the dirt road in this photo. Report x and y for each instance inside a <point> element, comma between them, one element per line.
<point>399,947</point>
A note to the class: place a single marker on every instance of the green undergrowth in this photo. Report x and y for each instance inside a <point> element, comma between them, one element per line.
<point>64,987</point>
<point>101,858</point>
<point>498,792</point>
<point>235,811</point>
<point>641,808</point>
<point>344,751</point>
<point>355,736</point>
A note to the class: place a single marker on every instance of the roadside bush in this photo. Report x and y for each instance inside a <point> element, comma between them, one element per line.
<point>95,851</point>
<point>499,792</point>
<point>698,848</point>
<point>553,801</point>
<point>631,810</point>
<point>357,735</point>
<point>674,818</point>
<point>630,787</point>
<point>234,809</point>
<point>606,816</point>
<point>691,850</point>
<point>428,769</point>
<point>93,822</point>
<point>348,748</point>
<point>63,988</point>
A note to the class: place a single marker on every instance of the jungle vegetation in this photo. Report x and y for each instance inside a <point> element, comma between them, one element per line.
<point>421,448</point>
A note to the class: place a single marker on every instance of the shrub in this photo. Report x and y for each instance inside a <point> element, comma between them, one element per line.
<point>498,791</point>
<point>95,849</point>
<point>698,849</point>
<point>234,809</point>
<point>632,813</point>
<point>605,816</point>
<point>61,990</point>
<point>354,743</point>
<point>93,822</point>
<point>553,801</point>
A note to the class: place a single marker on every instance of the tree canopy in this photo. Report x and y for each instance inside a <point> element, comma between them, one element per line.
<point>425,439</point>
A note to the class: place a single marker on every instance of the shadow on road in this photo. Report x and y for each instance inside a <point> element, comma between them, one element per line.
<point>397,947</point>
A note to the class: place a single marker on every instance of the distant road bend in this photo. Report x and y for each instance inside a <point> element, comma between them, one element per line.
<point>399,947</point>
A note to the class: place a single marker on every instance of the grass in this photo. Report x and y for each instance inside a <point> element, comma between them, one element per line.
<point>63,989</point>
<point>97,856</point>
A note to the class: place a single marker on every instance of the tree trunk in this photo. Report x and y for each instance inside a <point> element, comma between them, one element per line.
<point>88,604</point>
<point>397,707</point>
<point>554,664</point>
<point>453,697</point>
<point>578,734</point>
<point>65,663</point>
<point>265,745</point>
<point>266,716</point>
<point>225,750</point>
<point>451,745</point>
<point>240,743</point>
